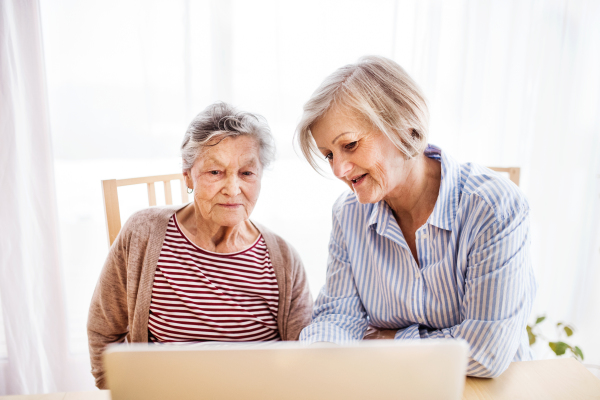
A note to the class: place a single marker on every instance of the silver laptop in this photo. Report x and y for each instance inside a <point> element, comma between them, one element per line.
<point>385,369</point>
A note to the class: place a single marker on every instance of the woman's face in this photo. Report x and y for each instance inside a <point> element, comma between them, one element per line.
<point>360,155</point>
<point>226,180</point>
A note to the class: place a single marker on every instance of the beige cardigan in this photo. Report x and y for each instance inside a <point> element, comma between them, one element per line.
<point>121,302</point>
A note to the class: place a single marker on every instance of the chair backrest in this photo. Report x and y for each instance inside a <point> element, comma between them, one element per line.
<point>514,173</point>
<point>111,197</point>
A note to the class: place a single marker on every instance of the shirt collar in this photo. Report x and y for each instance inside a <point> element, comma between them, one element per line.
<point>444,211</point>
<point>382,220</point>
<point>379,216</point>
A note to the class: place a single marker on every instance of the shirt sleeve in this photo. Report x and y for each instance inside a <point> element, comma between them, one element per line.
<point>499,291</point>
<point>410,332</point>
<point>339,315</point>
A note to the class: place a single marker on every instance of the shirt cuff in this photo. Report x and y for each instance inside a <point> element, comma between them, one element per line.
<point>325,332</point>
<point>410,332</point>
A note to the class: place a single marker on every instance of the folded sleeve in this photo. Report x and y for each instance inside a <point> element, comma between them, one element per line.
<point>499,291</point>
<point>339,315</point>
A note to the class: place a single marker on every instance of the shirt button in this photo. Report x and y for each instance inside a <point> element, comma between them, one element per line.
<point>421,320</point>
<point>418,276</point>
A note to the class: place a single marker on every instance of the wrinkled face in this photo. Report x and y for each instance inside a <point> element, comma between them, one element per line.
<point>226,180</point>
<point>360,155</point>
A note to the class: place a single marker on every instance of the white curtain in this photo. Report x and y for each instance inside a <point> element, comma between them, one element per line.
<point>510,83</point>
<point>30,276</point>
<point>517,83</point>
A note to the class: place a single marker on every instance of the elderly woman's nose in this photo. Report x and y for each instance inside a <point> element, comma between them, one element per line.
<point>232,185</point>
<point>341,167</point>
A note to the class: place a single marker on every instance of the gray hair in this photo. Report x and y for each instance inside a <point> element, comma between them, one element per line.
<point>378,90</point>
<point>220,121</point>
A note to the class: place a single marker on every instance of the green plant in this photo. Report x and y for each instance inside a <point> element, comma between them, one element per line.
<point>559,347</point>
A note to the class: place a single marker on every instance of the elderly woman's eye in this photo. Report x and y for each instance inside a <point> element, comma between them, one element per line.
<point>247,173</point>
<point>214,172</point>
<point>351,145</point>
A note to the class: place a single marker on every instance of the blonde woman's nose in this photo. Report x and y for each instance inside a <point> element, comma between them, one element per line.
<point>341,167</point>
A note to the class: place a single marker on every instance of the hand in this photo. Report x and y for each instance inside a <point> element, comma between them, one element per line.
<point>374,333</point>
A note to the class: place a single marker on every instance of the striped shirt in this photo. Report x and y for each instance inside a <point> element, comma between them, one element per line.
<point>474,279</point>
<point>199,295</point>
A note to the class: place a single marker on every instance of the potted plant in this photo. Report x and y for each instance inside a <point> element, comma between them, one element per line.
<point>560,346</point>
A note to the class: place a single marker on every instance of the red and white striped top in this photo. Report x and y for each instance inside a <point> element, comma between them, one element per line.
<point>199,295</point>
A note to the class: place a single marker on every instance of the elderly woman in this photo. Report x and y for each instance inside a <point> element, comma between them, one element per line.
<point>203,271</point>
<point>421,247</point>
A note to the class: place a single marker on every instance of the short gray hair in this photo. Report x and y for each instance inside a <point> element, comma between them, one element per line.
<point>220,121</point>
<point>378,90</point>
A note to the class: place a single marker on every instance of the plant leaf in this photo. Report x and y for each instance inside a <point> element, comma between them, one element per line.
<point>558,348</point>
<point>559,324</point>
<point>578,353</point>
<point>530,335</point>
<point>568,330</point>
<point>540,319</point>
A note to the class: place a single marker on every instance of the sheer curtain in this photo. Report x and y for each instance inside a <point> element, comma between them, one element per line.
<point>30,276</point>
<point>517,84</point>
<point>510,83</point>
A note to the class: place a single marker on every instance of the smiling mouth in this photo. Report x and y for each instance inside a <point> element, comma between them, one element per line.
<point>358,179</point>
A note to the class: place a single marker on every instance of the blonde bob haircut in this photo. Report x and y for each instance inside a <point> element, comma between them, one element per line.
<point>377,90</point>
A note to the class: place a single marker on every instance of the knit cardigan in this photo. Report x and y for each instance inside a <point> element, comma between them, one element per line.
<point>121,301</point>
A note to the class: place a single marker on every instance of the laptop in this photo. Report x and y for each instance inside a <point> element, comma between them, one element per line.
<point>374,369</point>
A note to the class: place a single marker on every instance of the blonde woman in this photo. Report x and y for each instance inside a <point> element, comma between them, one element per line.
<point>421,246</point>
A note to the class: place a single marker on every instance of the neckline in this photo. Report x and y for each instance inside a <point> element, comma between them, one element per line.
<point>213,252</point>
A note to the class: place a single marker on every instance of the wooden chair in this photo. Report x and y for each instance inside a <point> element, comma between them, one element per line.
<point>514,173</point>
<point>111,197</point>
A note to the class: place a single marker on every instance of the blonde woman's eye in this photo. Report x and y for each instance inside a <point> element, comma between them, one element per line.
<point>329,156</point>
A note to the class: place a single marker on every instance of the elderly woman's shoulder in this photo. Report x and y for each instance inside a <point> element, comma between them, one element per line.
<point>497,191</point>
<point>150,216</point>
<point>277,243</point>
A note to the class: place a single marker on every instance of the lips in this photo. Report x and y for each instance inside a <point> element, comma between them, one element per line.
<point>358,179</point>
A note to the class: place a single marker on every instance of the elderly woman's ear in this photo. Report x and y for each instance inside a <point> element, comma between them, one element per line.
<point>188,180</point>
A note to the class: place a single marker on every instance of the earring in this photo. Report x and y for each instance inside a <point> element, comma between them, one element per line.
<point>190,191</point>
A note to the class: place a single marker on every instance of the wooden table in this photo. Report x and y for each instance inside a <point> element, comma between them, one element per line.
<point>563,378</point>
<point>558,379</point>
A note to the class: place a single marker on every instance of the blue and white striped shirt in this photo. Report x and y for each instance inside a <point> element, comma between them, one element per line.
<point>474,279</point>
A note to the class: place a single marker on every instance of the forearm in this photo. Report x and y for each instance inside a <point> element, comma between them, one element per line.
<point>499,292</point>
<point>410,332</point>
<point>97,344</point>
<point>492,344</point>
<point>338,321</point>
<point>108,317</point>
<point>107,324</point>
<point>301,305</point>
<point>338,330</point>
